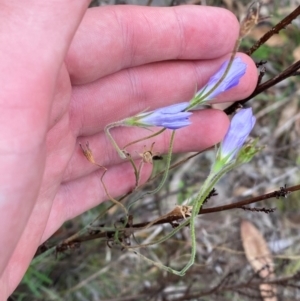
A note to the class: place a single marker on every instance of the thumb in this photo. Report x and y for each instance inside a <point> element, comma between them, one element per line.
<point>34,38</point>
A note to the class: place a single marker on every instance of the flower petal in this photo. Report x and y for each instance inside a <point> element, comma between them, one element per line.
<point>171,117</point>
<point>178,107</point>
<point>232,78</point>
<point>240,127</point>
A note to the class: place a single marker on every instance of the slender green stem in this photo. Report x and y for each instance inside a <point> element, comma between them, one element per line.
<point>208,185</point>
<point>165,175</point>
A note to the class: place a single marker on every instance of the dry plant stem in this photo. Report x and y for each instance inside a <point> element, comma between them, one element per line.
<point>240,204</point>
<point>171,218</point>
<point>107,129</point>
<point>138,174</point>
<point>137,171</point>
<point>276,79</point>
<point>237,205</point>
<point>123,227</point>
<point>179,163</point>
<point>108,208</point>
<point>89,155</point>
<point>165,173</point>
<point>275,30</point>
<point>290,71</point>
<point>132,230</point>
<point>111,198</point>
<point>177,212</point>
<point>77,236</point>
<point>145,138</point>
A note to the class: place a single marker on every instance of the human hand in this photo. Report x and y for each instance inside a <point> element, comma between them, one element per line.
<point>61,84</point>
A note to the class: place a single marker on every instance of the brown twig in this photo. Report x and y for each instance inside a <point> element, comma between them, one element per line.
<point>169,219</point>
<point>275,30</point>
<point>237,205</point>
<point>265,210</point>
<point>290,71</point>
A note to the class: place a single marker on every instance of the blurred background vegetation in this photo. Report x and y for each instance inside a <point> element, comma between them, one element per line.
<point>96,271</point>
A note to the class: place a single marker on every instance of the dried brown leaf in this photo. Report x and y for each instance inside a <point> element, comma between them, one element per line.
<point>259,257</point>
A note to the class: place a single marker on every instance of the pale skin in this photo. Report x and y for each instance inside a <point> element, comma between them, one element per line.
<point>66,72</point>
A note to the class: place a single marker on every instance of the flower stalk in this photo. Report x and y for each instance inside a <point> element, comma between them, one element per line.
<point>233,154</point>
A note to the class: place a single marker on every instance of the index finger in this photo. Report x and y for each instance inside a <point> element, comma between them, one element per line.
<point>113,38</point>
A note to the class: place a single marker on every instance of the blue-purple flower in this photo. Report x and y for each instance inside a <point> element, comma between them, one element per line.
<point>232,78</point>
<point>172,117</point>
<point>240,127</point>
